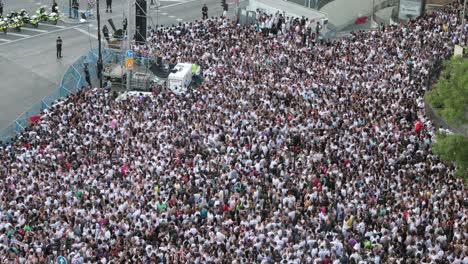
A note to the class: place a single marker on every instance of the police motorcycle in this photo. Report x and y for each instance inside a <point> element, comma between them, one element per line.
<point>14,21</point>
<point>20,18</point>
<point>27,19</point>
<point>53,18</point>
<point>34,21</point>
<point>23,15</point>
<point>4,25</point>
<point>41,14</point>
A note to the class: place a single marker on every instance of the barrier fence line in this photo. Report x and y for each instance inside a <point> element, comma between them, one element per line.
<point>72,81</point>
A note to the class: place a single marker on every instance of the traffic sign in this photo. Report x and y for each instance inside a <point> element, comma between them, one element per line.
<point>129,63</point>
<point>129,54</point>
<point>61,260</point>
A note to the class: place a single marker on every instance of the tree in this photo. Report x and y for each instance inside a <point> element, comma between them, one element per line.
<point>449,96</point>
<point>453,148</point>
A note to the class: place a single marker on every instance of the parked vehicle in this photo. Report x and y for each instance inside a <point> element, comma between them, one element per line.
<point>24,16</point>
<point>4,25</point>
<point>19,17</point>
<point>53,18</point>
<point>34,21</point>
<point>15,24</point>
<point>41,14</point>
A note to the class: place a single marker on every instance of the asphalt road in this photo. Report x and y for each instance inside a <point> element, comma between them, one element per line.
<point>29,70</point>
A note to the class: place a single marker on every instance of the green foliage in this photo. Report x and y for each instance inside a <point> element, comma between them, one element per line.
<point>453,148</point>
<point>449,96</point>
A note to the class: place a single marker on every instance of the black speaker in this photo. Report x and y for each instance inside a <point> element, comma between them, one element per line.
<point>111,23</point>
<point>140,21</point>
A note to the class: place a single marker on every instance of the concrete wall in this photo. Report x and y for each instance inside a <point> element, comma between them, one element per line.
<point>344,12</point>
<point>439,2</point>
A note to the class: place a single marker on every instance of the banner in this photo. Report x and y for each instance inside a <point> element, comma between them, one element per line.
<point>410,9</point>
<point>458,51</point>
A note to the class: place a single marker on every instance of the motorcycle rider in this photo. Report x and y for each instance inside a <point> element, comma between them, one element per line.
<point>55,7</point>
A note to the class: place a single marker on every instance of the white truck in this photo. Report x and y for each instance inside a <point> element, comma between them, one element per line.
<point>180,78</point>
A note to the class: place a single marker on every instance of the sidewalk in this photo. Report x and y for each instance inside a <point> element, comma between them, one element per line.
<point>68,20</point>
<point>64,7</point>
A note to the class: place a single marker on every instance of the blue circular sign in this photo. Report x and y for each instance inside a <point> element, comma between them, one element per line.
<point>61,260</point>
<point>129,54</point>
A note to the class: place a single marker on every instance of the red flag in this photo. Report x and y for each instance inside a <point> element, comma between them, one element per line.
<point>361,20</point>
<point>33,119</point>
<point>418,125</point>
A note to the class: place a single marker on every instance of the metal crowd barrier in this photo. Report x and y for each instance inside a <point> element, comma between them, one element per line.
<point>72,81</point>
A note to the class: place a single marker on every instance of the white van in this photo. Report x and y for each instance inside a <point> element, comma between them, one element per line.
<point>180,78</point>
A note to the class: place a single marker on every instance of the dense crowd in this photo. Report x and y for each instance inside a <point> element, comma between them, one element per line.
<point>290,151</point>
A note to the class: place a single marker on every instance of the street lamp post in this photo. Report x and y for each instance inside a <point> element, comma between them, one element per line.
<point>69,8</point>
<point>464,15</point>
<point>98,14</point>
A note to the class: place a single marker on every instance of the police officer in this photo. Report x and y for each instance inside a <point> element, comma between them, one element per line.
<point>99,69</point>
<point>105,31</point>
<point>124,24</point>
<point>59,43</point>
<point>87,76</point>
<point>76,8</point>
<point>205,12</point>
<point>108,6</point>
<point>54,7</point>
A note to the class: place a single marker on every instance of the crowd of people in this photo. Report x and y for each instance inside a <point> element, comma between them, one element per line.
<point>286,153</point>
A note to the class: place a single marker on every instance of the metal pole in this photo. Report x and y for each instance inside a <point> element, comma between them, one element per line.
<point>237,11</point>
<point>130,28</point>
<point>98,14</point>
<point>464,16</point>
<point>373,11</point>
<point>69,8</point>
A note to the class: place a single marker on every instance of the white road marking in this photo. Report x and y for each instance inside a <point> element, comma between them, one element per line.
<point>164,14</point>
<point>35,30</point>
<point>86,32</point>
<point>18,35</point>
<point>6,40</point>
<point>176,4</point>
<point>179,19</point>
<point>55,26</point>
<point>38,35</point>
<point>172,16</point>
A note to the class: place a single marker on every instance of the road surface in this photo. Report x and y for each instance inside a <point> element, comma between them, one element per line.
<point>29,70</point>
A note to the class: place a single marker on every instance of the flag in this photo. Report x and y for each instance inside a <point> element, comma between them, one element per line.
<point>418,125</point>
<point>361,20</point>
<point>33,119</point>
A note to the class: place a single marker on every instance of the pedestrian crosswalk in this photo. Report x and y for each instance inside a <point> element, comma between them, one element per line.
<point>27,32</point>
